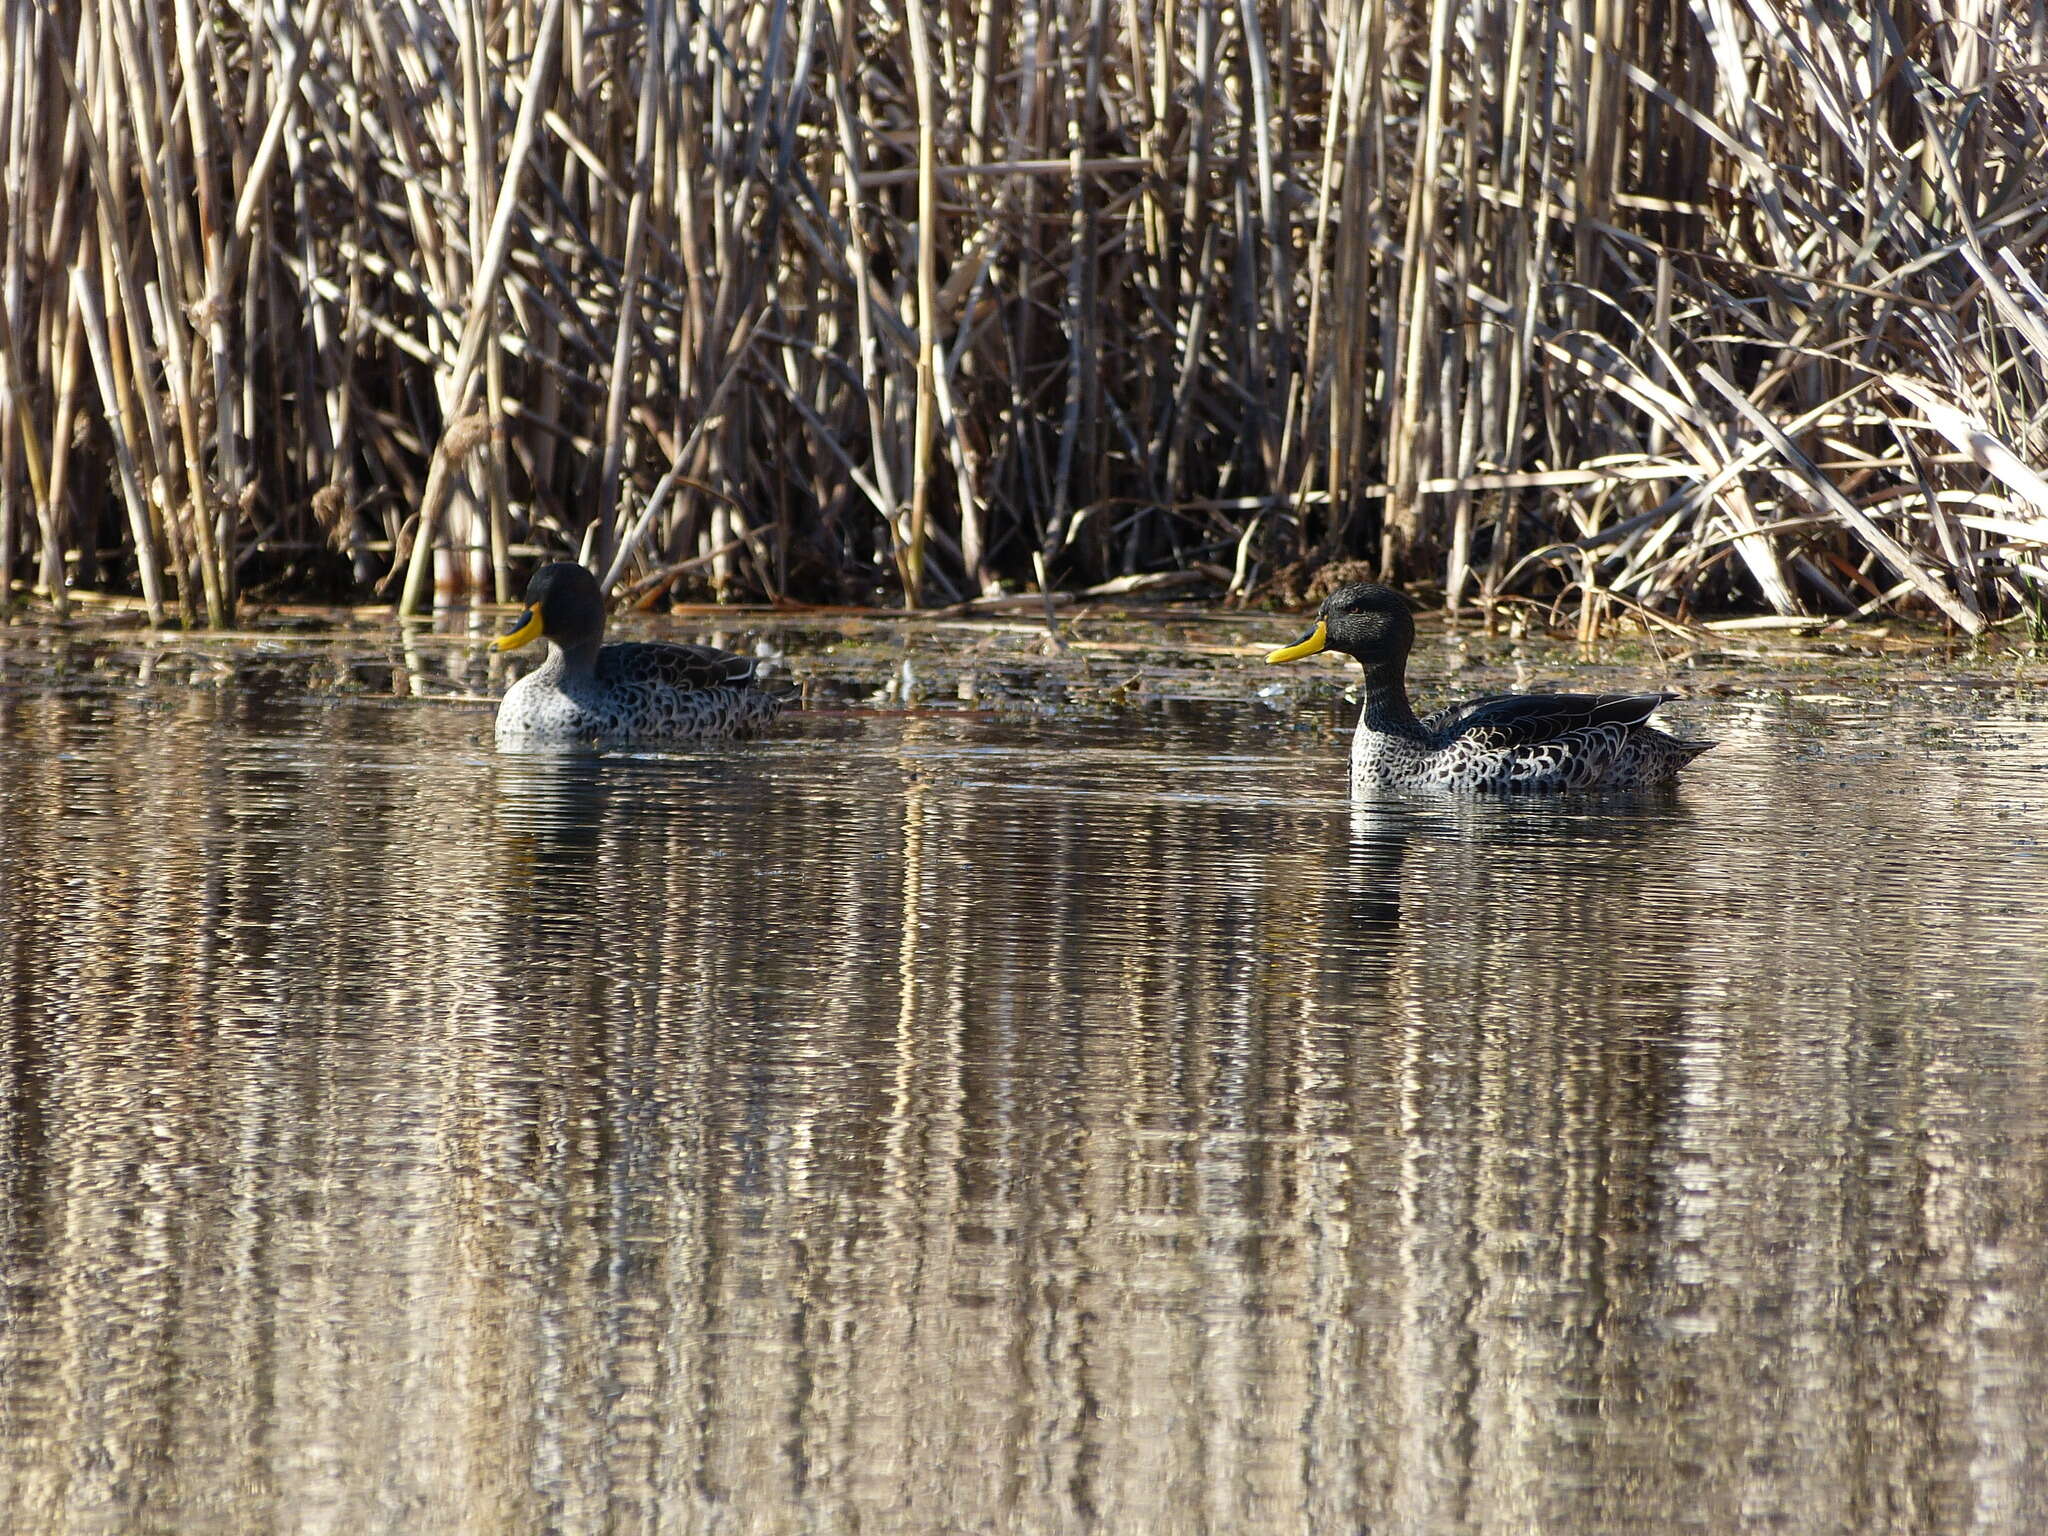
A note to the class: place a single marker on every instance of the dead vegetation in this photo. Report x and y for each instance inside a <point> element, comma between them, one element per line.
<point>1651,308</point>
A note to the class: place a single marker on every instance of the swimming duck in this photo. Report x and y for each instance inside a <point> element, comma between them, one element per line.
<point>1518,742</point>
<point>589,691</point>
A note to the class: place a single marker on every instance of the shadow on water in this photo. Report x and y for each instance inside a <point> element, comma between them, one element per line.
<point>971,1123</point>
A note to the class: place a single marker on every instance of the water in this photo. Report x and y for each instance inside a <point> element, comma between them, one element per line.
<point>1055,1110</point>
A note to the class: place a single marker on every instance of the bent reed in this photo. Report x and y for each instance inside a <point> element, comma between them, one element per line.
<point>1654,308</point>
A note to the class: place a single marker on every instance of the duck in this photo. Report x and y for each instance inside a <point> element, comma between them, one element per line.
<point>588,692</point>
<point>1517,743</point>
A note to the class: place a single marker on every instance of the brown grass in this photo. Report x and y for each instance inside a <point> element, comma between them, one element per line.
<point>1653,306</point>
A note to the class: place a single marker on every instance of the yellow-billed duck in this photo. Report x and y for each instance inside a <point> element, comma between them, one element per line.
<point>1515,743</point>
<point>590,692</point>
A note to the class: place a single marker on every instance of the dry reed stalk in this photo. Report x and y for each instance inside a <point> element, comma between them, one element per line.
<point>458,395</point>
<point>922,429</point>
<point>619,388</point>
<point>95,322</point>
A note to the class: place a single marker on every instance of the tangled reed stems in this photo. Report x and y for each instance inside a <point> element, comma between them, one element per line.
<point>1732,304</point>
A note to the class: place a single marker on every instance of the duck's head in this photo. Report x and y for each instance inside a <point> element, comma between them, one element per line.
<point>1365,620</point>
<point>563,604</point>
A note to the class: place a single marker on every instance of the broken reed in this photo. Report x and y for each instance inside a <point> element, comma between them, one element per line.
<point>1663,305</point>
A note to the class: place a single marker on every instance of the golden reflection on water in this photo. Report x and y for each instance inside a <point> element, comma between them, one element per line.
<point>940,1124</point>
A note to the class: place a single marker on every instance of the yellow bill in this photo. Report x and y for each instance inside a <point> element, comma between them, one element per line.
<point>527,632</point>
<point>1315,642</point>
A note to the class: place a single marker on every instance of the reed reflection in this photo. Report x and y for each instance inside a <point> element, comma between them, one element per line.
<point>989,1127</point>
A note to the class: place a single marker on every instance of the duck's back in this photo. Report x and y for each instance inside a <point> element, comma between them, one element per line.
<point>659,690</point>
<point>683,668</point>
<point>1522,719</point>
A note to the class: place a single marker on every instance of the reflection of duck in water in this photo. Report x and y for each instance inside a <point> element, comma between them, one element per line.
<point>558,800</point>
<point>588,691</point>
<point>1521,742</point>
<point>550,815</point>
<point>1365,893</point>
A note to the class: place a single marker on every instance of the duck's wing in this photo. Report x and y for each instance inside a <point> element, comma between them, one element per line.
<point>1529,719</point>
<point>684,668</point>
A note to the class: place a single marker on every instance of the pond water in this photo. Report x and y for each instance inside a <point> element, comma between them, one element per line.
<point>1026,1095</point>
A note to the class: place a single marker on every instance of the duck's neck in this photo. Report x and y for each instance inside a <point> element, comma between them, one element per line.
<point>565,661</point>
<point>1386,698</point>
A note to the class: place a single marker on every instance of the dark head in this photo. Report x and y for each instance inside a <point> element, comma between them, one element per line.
<point>1365,620</point>
<point>564,605</point>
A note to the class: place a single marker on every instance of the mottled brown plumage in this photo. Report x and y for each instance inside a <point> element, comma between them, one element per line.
<point>589,692</point>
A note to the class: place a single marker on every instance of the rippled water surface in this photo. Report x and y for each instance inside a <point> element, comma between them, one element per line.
<point>1021,1097</point>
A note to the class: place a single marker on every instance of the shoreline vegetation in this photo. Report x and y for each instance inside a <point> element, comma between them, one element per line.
<point>1633,311</point>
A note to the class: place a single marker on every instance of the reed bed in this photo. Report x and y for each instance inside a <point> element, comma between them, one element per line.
<point>1654,308</point>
